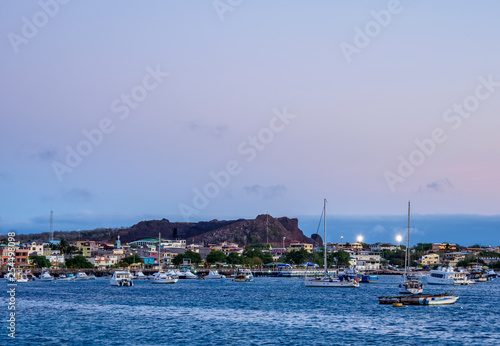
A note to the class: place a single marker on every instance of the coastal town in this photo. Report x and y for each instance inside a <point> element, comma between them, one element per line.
<point>150,253</point>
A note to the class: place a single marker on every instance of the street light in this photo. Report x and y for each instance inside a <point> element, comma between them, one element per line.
<point>360,239</point>
<point>399,239</point>
<point>341,237</point>
<point>284,242</point>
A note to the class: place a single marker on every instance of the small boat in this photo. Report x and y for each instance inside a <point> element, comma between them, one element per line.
<point>214,274</point>
<point>187,275</point>
<point>81,276</point>
<point>163,278</point>
<point>92,277</point>
<point>64,277</point>
<point>420,299</point>
<point>45,276</point>
<point>121,278</point>
<point>242,275</point>
<point>139,275</point>
<point>448,276</point>
<point>491,274</point>
<point>369,278</point>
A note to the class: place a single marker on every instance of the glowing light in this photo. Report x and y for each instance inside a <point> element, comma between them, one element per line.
<point>359,238</point>
<point>399,238</point>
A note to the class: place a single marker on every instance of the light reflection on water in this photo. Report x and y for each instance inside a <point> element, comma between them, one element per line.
<point>266,311</point>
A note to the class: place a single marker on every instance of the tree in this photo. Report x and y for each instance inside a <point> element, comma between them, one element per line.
<point>132,259</point>
<point>235,258</point>
<point>343,257</point>
<point>216,256</point>
<point>78,261</point>
<point>297,256</point>
<point>194,256</point>
<point>40,261</point>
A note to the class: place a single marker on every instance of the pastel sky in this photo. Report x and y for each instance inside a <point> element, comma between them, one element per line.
<point>295,101</point>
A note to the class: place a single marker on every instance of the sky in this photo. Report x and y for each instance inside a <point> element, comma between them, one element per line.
<point>120,111</point>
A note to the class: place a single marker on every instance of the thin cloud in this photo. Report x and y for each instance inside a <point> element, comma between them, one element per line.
<point>218,130</point>
<point>438,186</point>
<point>268,192</point>
<point>78,195</point>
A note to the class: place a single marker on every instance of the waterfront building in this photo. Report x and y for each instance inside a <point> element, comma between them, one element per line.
<point>429,259</point>
<point>367,260</point>
<point>296,246</point>
<point>34,249</point>
<point>452,258</point>
<point>443,247</point>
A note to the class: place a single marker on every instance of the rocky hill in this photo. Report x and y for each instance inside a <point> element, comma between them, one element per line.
<point>262,229</point>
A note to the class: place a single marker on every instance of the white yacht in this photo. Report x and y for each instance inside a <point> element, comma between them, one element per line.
<point>121,278</point>
<point>162,277</point>
<point>214,274</point>
<point>448,276</point>
<point>81,276</point>
<point>187,275</point>
<point>45,276</point>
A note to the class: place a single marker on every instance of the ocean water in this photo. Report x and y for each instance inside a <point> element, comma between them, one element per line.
<point>266,311</point>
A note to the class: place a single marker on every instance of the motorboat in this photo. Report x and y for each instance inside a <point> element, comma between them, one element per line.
<point>45,276</point>
<point>139,275</point>
<point>162,277</point>
<point>242,275</point>
<point>92,277</point>
<point>448,276</point>
<point>121,278</point>
<point>214,274</point>
<point>331,281</point>
<point>187,275</point>
<point>64,277</point>
<point>81,276</point>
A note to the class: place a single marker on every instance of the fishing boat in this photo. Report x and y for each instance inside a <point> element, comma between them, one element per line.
<point>81,276</point>
<point>409,285</point>
<point>329,280</point>
<point>214,274</point>
<point>45,276</point>
<point>242,275</point>
<point>121,278</point>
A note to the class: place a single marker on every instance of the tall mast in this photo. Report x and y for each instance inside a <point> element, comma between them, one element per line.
<point>51,225</point>
<point>407,252</point>
<point>159,247</point>
<point>324,245</point>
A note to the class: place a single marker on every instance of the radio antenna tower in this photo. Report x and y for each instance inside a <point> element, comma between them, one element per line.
<point>51,226</point>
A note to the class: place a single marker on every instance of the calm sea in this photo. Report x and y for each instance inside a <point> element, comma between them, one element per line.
<point>265,311</point>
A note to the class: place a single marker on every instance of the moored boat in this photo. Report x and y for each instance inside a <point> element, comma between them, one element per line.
<point>163,278</point>
<point>45,276</point>
<point>121,278</point>
<point>81,276</point>
<point>420,299</point>
<point>214,274</point>
<point>242,275</point>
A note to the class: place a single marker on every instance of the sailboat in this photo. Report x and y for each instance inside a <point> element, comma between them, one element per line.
<point>161,277</point>
<point>326,280</point>
<point>409,285</point>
